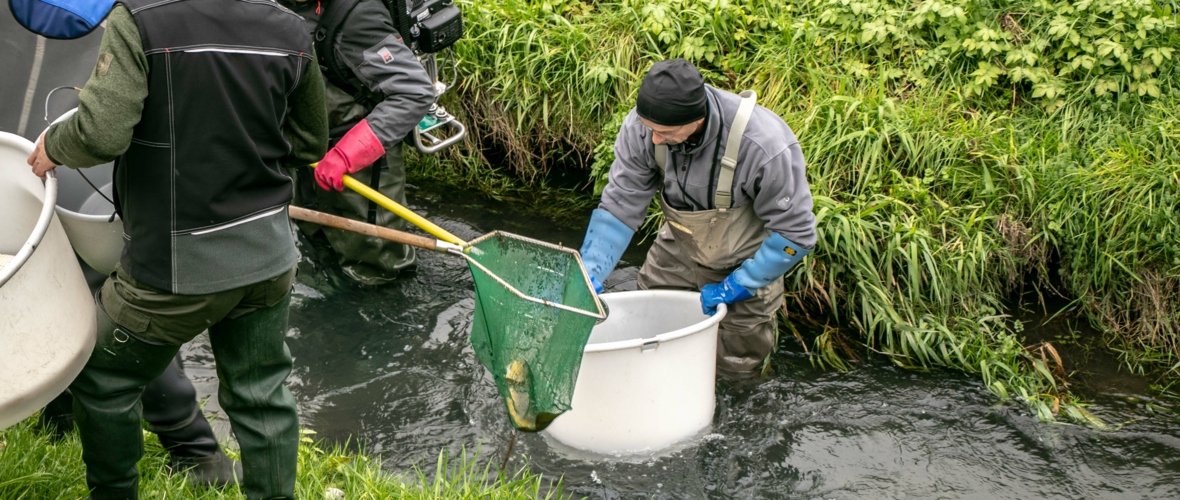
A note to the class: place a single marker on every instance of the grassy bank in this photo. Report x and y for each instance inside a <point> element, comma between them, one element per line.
<point>956,151</point>
<point>33,466</point>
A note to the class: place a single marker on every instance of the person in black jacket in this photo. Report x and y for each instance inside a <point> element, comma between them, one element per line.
<point>170,405</point>
<point>373,104</point>
<point>202,102</point>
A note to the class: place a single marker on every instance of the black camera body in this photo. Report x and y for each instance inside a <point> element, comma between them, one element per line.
<point>427,26</point>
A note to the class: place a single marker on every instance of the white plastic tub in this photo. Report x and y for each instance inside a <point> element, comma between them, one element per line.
<point>47,324</point>
<point>88,216</point>
<point>647,377</point>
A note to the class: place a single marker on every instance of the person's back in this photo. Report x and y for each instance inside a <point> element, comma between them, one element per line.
<point>200,101</point>
<point>219,74</point>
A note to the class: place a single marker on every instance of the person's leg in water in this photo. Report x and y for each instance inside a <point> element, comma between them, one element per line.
<point>253,363</point>
<point>368,260</point>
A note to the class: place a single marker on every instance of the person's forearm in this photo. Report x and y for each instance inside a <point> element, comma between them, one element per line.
<point>110,104</point>
<point>307,125</point>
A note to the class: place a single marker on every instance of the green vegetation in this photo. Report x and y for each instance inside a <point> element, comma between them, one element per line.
<point>34,466</point>
<point>956,150</point>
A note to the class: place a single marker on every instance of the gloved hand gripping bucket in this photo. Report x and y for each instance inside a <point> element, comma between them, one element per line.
<point>647,378</point>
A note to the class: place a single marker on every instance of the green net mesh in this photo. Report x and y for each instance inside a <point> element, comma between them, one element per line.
<point>533,350</point>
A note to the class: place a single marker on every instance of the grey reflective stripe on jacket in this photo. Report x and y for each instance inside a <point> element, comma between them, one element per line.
<point>769,176</point>
<point>379,60</point>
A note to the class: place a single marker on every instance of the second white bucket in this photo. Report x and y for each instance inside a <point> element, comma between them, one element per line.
<point>647,377</point>
<point>87,212</point>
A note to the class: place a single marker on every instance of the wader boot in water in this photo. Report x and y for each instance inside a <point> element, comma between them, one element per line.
<point>698,248</point>
<point>368,260</point>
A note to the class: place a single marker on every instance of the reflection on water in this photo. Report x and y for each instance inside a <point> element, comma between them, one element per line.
<point>390,368</point>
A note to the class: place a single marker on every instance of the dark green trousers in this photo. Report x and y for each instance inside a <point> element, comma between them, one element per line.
<point>140,330</point>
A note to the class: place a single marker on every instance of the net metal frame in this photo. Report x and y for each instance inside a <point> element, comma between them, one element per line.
<point>599,314</point>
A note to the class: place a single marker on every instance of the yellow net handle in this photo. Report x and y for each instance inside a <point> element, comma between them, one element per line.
<point>401,211</point>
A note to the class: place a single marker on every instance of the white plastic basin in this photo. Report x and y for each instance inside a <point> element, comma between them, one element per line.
<point>88,216</point>
<point>47,324</point>
<point>647,377</point>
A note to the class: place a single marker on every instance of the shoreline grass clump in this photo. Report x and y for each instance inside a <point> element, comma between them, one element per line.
<point>35,466</point>
<point>955,150</point>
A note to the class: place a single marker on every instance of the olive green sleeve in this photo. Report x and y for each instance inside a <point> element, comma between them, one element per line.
<point>110,104</point>
<point>307,123</point>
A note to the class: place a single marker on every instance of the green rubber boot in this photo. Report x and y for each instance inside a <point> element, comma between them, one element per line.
<point>210,471</point>
<point>252,364</point>
<point>107,408</point>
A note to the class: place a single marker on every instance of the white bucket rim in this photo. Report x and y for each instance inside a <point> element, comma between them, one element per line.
<point>663,337</point>
<point>62,212</point>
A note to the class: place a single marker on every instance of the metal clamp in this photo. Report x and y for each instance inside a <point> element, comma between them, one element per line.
<point>427,143</point>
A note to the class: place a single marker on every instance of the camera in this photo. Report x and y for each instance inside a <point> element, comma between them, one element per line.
<point>427,26</point>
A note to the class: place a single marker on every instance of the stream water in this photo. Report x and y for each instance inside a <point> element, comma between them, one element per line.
<point>389,369</point>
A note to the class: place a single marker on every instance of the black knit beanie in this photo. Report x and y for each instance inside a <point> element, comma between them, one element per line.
<point>672,93</point>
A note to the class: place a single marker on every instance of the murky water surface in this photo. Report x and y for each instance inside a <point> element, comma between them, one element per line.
<point>390,368</point>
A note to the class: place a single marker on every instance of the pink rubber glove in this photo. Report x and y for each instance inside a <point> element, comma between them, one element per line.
<point>358,149</point>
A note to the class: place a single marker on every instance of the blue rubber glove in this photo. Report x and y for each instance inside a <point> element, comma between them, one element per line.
<point>596,284</point>
<point>726,292</point>
<point>606,238</point>
<point>774,258</point>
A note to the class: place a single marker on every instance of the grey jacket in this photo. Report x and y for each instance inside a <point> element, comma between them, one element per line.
<point>770,173</point>
<point>381,63</point>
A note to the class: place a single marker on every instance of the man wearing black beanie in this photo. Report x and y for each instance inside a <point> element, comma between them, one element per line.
<point>736,203</point>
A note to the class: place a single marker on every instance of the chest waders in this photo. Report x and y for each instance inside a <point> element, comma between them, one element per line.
<point>697,248</point>
<point>370,261</point>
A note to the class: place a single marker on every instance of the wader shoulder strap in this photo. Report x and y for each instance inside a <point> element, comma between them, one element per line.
<point>723,197</point>
<point>325,35</point>
<point>662,156</point>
